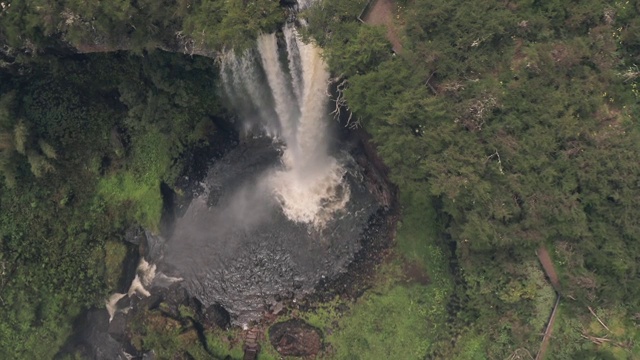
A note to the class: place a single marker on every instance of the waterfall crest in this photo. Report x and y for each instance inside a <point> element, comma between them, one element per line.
<point>280,90</point>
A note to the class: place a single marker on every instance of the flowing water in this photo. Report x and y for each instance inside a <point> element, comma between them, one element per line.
<point>283,210</point>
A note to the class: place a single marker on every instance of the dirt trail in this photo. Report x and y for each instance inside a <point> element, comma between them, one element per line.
<point>549,269</point>
<point>381,12</point>
<point>548,331</point>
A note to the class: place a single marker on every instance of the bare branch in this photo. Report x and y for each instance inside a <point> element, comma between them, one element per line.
<point>595,340</point>
<point>496,154</point>
<point>519,354</point>
<point>597,318</point>
<point>341,103</point>
<point>631,74</point>
<point>431,86</point>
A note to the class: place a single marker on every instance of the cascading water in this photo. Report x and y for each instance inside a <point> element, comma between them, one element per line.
<point>310,188</point>
<point>283,210</point>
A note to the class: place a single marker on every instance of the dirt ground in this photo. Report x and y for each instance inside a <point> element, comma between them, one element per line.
<point>382,13</point>
<point>549,269</point>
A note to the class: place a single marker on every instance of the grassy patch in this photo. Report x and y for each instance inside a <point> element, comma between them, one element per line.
<point>140,199</point>
<point>137,189</point>
<point>225,343</point>
<point>417,238</point>
<point>544,298</point>
<point>398,322</point>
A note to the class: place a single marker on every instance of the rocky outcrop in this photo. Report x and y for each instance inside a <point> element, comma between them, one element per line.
<point>295,338</point>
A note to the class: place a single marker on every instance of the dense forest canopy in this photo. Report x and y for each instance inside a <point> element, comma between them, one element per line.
<point>514,122</point>
<point>104,25</point>
<point>86,144</point>
<point>519,120</point>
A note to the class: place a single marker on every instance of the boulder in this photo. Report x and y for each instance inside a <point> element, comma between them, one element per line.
<point>216,315</point>
<point>295,338</point>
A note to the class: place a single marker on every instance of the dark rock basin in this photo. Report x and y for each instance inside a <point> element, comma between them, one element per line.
<point>235,247</point>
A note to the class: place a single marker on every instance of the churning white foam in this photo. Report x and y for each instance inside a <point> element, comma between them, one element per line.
<point>312,198</point>
<point>111,304</point>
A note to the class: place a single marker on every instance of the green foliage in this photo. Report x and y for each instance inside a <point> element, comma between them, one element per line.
<point>363,52</point>
<point>47,149</point>
<point>334,23</point>
<point>115,253</point>
<point>518,121</point>
<point>166,336</point>
<point>419,235</point>
<point>472,347</point>
<point>16,142</point>
<point>398,322</point>
<point>95,119</point>
<point>231,24</point>
<point>20,136</point>
<point>571,327</point>
<point>139,190</point>
<point>226,343</point>
<point>142,24</point>
<point>170,103</point>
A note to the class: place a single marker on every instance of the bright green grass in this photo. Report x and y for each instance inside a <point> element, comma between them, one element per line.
<point>397,323</point>
<point>140,197</point>
<point>472,347</point>
<point>395,319</point>
<point>138,189</point>
<point>220,345</point>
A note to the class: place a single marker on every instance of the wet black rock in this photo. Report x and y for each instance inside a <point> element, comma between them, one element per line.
<point>216,315</point>
<point>235,247</point>
<point>295,338</point>
<point>129,266</point>
<point>134,235</point>
<point>118,327</point>
<point>93,340</point>
<point>123,303</point>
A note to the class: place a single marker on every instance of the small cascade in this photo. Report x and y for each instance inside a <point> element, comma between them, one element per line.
<point>146,277</point>
<point>111,304</point>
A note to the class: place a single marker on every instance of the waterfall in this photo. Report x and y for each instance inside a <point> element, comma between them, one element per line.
<point>293,53</point>
<point>285,104</point>
<point>282,210</point>
<point>290,104</point>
